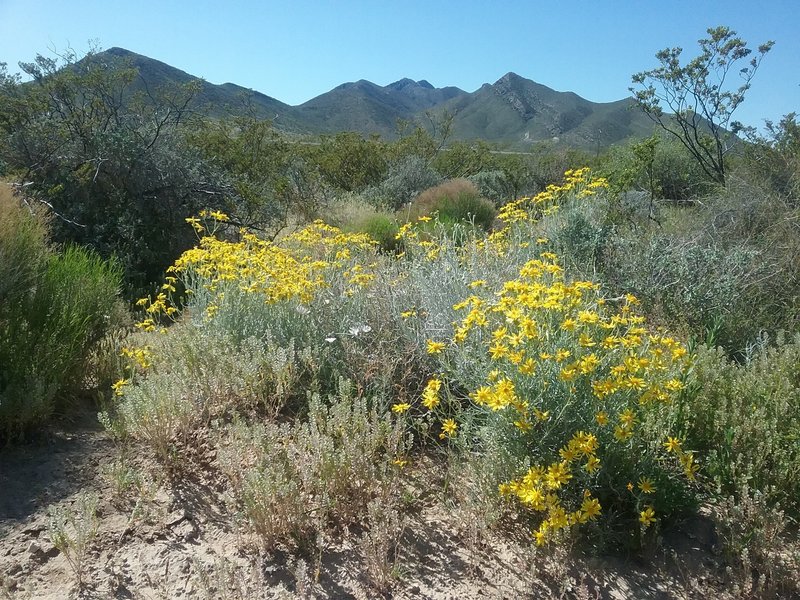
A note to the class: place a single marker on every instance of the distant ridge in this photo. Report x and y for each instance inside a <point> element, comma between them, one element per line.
<point>513,111</point>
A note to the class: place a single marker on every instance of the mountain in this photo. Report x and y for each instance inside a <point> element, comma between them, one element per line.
<point>369,108</point>
<point>218,100</point>
<point>513,111</point>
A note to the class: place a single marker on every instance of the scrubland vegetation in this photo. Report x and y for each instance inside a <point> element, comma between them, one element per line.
<point>583,357</point>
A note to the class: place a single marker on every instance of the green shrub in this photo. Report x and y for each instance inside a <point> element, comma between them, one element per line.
<point>455,201</point>
<point>55,307</point>
<point>658,166</point>
<point>381,228</point>
<point>404,180</point>
<point>745,418</point>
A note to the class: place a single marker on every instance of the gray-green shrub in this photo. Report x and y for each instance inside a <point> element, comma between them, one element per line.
<point>745,420</point>
<point>293,480</point>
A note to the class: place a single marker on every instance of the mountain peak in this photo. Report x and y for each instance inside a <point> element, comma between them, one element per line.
<point>116,50</point>
<point>401,84</point>
<point>509,77</point>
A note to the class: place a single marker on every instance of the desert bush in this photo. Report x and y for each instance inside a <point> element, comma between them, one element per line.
<point>172,390</point>
<point>349,162</point>
<point>317,287</point>
<point>763,558</point>
<point>492,185</point>
<point>382,228</point>
<point>572,396</point>
<point>54,307</point>
<point>294,480</point>
<point>581,234</point>
<point>454,201</point>
<point>774,158</point>
<point>404,180</point>
<point>699,285</point>
<point>726,268</point>
<point>380,543</point>
<point>732,266</point>
<point>657,165</point>
<point>745,418</point>
<point>72,531</point>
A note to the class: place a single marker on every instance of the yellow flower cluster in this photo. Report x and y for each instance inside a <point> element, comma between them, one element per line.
<point>539,488</point>
<point>579,183</point>
<point>430,397</point>
<point>294,268</point>
<point>539,326</point>
<point>139,356</point>
<point>556,347</point>
<point>417,239</point>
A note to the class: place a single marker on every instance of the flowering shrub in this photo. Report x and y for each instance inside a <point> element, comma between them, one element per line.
<point>482,342</point>
<point>571,385</point>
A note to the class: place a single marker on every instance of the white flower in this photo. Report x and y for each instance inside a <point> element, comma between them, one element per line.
<point>359,329</point>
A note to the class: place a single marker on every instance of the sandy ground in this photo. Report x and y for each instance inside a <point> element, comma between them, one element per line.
<point>186,541</point>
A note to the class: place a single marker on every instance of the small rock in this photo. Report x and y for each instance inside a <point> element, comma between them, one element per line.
<point>38,553</point>
<point>34,548</point>
<point>34,530</point>
<point>176,517</point>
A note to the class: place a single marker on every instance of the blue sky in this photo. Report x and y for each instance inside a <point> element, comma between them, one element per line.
<point>298,49</point>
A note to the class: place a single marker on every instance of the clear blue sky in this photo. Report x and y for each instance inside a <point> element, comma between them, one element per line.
<point>295,50</point>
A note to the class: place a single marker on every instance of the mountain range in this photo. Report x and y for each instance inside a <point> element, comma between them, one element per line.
<point>513,112</point>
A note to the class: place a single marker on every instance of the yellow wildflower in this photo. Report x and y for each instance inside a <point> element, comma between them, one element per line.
<point>435,347</point>
<point>647,516</point>
<point>449,427</point>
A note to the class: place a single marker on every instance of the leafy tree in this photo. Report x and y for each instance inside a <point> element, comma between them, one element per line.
<point>350,162</point>
<point>268,180</point>
<point>462,159</point>
<point>700,96</point>
<point>108,155</point>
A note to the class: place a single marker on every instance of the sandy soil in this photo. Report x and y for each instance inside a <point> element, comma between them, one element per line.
<point>186,541</point>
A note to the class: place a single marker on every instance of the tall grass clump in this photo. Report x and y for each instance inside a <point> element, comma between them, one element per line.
<point>53,307</point>
<point>454,201</point>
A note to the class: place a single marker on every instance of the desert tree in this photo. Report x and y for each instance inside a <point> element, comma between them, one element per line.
<point>106,153</point>
<point>695,102</point>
